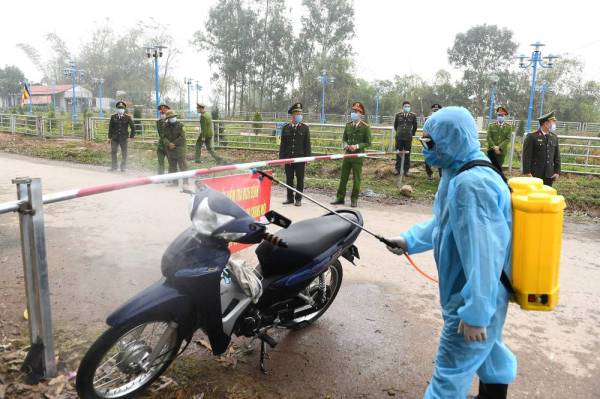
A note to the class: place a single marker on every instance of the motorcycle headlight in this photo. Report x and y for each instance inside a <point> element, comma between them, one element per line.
<point>206,221</point>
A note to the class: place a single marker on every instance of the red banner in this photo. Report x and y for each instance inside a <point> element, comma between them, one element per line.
<point>248,191</point>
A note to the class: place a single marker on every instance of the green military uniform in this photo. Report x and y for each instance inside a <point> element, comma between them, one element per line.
<point>499,135</point>
<point>160,148</point>
<point>206,137</point>
<point>354,134</point>
<point>175,134</point>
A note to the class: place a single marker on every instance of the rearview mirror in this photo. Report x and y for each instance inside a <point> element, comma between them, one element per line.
<point>278,219</point>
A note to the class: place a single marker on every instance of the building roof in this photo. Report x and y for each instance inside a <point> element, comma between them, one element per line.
<point>40,90</point>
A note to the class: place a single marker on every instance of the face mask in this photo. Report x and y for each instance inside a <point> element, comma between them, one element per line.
<point>431,158</point>
<point>120,111</point>
<point>500,118</point>
<point>298,118</point>
<point>162,117</point>
<point>406,109</point>
<point>173,119</point>
<point>354,116</point>
<point>553,127</point>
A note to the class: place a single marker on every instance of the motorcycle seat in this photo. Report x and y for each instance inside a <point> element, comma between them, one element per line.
<point>306,241</point>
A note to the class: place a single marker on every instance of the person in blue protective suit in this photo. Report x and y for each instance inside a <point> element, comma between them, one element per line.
<point>470,234</point>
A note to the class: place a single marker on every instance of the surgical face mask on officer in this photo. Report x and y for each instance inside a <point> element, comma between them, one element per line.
<point>355,116</point>
<point>298,118</point>
<point>553,127</point>
<point>406,108</point>
<point>162,116</point>
<point>120,111</point>
<point>500,118</point>
<point>173,119</point>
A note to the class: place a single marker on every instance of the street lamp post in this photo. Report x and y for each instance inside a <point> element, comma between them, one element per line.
<point>377,100</point>
<point>198,90</point>
<point>100,82</point>
<point>544,87</point>
<point>188,82</point>
<point>324,78</point>
<point>494,79</point>
<point>155,51</point>
<point>73,72</point>
<point>534,62</point>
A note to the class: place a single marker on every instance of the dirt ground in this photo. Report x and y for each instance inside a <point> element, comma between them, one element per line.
<point>377,340</point>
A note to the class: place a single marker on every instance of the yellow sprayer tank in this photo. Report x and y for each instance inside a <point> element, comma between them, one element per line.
<point>537,237</point>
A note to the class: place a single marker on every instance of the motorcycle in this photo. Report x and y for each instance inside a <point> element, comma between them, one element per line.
<point>296,280</point>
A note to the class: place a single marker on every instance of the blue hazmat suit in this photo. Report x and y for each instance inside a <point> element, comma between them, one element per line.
<point>470,234</point>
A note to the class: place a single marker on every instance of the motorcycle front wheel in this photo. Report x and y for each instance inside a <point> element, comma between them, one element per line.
<point>126,359</point>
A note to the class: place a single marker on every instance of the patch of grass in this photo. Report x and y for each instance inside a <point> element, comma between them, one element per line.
<point>582,192</point>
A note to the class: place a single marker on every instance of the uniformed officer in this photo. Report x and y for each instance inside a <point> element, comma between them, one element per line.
<point>295,143</point>
<point>160,148</point>
<point>434,108</point>
<point>118,134</point>
<point>499,134</point>
<point>356,138</point>
<point>206,134</point>
<point>405,125</point>
<point>175,144</point>
<point>541,156</point>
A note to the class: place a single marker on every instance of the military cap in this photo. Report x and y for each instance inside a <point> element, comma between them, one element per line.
<point>405,102</point>
<point>501,108</point>
<point>358,106</point>
<point>436,106</point>
<point>163,106</point>
<point>548,117</point>
<point>297,107</point>
<point>121,104</point>
<point>170,113</point>
<point>200,105</point>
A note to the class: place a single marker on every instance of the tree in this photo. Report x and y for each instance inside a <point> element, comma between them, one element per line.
<point>10,76</point>
<point>480,52</point>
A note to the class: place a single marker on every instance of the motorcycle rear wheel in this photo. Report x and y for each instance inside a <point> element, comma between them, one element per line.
<point>116,366</point>
<point>332,280</point>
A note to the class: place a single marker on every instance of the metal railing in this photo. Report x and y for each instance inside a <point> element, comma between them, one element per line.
<point>579,154</point>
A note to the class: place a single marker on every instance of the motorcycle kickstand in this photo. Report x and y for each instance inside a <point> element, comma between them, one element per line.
<point>264,340</point>
<point>263,355</point>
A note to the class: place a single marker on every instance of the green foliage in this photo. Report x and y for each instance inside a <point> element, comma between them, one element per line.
<point>257,126</point>
<point>521,128</point>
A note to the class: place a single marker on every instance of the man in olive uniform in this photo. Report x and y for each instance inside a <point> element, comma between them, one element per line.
<point>206,134</point>
<point>541,156</point>
<point>160,148</point>
<point>405,125</point>
<point>295,143</point>
<point>498,136</point>
<point>175,144</point>
<point>356,138</point>
<point>434,108</point>
<point>118,134</point>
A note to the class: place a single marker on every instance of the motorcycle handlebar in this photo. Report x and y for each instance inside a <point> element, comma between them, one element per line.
<point>273,239</point>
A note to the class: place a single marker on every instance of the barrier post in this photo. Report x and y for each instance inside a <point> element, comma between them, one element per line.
<point>35,271</point>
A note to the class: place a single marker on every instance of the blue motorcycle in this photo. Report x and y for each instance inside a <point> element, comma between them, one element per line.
<point>296,280</point>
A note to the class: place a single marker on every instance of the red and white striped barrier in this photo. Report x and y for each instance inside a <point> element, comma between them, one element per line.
<point>104,188</point>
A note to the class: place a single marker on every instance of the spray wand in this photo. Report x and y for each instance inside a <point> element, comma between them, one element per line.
<point>314,201</point>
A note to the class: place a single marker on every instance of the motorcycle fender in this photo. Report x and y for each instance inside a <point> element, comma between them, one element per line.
<point>350,253</point>
<point>158,300</point>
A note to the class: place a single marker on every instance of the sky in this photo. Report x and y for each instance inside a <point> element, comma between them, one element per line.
<point>392,37</point>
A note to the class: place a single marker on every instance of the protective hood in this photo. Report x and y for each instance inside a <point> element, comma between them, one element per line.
<point>454,133</point>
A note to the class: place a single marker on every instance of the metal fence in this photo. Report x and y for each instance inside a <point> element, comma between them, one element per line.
<point>579,154</point>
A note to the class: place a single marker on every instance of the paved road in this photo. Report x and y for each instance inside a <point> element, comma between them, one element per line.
<point>378,338</point>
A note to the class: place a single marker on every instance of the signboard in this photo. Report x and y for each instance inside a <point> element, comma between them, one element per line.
<point>250,191</point>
